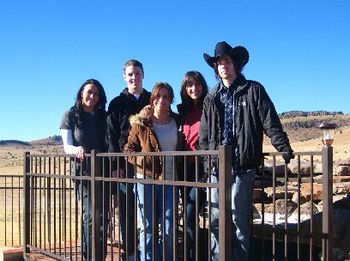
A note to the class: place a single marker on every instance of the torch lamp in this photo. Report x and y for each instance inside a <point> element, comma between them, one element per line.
<point>328,133</point>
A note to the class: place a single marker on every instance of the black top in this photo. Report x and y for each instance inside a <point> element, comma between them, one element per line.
<point>88,129</point>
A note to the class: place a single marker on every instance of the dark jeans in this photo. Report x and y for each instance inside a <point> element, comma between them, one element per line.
<point>192,225</point>
<point>194,205</point>
<point>101,219</point>
<point>126,202</point>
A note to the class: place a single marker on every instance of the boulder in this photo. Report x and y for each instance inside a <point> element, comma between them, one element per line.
<point>279,192</point>
<point>305,166</point>
<point>306,210</point>
<point>298,199</point>
<point>305,191</point>
<point>342,170</point>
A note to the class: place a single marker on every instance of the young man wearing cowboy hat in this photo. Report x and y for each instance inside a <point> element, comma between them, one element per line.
<point>237,112</point>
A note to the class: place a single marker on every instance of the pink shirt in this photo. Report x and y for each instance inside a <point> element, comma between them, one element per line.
<point>191,128</point>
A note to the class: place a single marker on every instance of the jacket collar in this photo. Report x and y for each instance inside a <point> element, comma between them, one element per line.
<point>239,84</point>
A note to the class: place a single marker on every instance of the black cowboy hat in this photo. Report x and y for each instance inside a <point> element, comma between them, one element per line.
<point>239,54</point>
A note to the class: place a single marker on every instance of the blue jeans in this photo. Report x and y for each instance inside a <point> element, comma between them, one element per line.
<point>241,206</point>
<point>87,222</point>
<point>147,208</point>
<point>84,192</point>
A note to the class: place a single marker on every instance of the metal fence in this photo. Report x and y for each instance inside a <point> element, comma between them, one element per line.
<point>53,209</point>
<point>11,211</point>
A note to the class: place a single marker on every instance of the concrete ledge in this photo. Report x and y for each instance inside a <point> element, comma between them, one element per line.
<point>11,254</point>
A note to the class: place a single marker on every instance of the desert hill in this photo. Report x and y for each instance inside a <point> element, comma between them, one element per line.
<point>304,134</point>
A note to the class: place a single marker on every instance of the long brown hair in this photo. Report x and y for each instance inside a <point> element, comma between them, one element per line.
<point>157,87</point>
<point>190,77</point>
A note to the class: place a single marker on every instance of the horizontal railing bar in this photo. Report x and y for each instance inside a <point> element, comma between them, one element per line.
<point>50,254</point>
<point>10,176</point>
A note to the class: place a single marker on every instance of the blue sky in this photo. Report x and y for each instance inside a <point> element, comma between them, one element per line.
<point>299,50</point>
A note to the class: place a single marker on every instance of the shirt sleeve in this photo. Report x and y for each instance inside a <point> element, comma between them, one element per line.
<point>67,138</point>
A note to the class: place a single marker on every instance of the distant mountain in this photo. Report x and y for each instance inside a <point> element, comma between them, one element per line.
<point>51,140</point>
<point>14,142</point>
<point>293,114</point>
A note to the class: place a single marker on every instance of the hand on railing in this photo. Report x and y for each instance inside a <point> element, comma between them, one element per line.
<point>288,154</point>
<point>80,153</point>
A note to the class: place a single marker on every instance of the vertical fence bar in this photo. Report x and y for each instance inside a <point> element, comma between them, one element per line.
<point>286,212</point>
<point>48,206</point>
<point>5,207</point>
<point>12,209</point>
<point>94,236</point>
<point>26,203</point>
<point>274,250</point>
<point>327,214</point>
<point>19,210</point>
<point>298,208</point>
<point>225,220</point>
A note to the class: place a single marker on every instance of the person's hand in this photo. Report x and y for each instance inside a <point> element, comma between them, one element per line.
<point>80,153</point>
<point>146,112</point>
<point>288,154</point>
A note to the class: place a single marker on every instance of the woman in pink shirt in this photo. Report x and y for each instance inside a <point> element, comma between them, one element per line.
<point>193,90</point>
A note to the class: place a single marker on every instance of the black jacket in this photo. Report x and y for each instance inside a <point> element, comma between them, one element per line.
<point>254,114</point>
<point>119,111</point>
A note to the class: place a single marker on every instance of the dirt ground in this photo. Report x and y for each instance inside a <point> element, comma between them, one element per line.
<point>341,145</point>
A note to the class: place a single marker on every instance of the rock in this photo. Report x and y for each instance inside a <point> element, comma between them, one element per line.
<point>317,168</point>
<point>305,166</point>
<point>306,210</point>
<point>279,192</point>
<point>296,198</point>
<point>305,191</point>
<point>341,188</point>
<point>342,170</point>
<point>258,194</point>
<point>281,206</point>
<point>279,168</point>
<point>256,214</point>
<point>338,179</point>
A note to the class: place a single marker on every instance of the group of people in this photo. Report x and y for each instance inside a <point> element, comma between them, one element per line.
<point>235,112</point>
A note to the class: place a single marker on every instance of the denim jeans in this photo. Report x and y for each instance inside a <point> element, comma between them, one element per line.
<point>147,209</point>
<point>87,222</point>
<point>127,214</point>
<point>241,207</point>
<point>194,173</point>
<point>84,191</point>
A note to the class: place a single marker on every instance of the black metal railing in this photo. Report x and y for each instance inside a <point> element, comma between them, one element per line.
<point>11,214</point>
<point>53,207</point>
